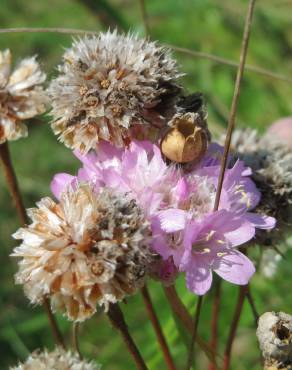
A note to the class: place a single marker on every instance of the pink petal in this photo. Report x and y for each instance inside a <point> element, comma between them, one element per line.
<point>235,267</point>
<point>172,220</point>
<point>60,182</point>
<point>198,279</point>
<point>261,221</point>
<point>241,235</point>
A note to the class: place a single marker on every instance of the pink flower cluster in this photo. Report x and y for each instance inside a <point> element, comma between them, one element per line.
<point>186,232</point>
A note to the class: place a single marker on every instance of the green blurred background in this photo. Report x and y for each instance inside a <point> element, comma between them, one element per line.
<point>212,26</point>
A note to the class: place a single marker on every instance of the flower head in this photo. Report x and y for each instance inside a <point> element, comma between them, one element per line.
<point>90,248</point>
<point>21,95</point>
<point>186,231</point>
<point>55,360</point>
<point>111,87</point>
<point>271,164</point>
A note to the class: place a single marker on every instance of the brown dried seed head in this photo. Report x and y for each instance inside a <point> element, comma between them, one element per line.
<point>187,141</point>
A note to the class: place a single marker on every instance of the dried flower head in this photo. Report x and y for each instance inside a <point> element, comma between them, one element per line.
<point>55,360</point>
<point>109,87</point>
<point>87,249</point>
<point>271,164</point>
<point>274,334</point>
<point>21,95</point>
<point>187,140</point>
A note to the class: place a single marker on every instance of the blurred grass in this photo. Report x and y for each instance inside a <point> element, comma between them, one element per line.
<point>212,26</point>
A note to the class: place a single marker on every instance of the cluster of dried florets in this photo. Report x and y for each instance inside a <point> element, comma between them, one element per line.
<point>274,334</point>
<point>90,248</point>
<point>55,360</point>
<point>21,95</point>
<point>271,163</point>
<point>111,87</point>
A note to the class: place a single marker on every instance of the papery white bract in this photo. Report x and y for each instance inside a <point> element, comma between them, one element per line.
<point>21,95</point>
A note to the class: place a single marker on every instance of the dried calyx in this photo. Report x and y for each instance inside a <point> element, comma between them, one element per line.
<point>187,138</point>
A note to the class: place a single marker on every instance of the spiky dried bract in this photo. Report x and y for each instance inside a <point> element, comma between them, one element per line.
<point>21,95</point>
<point>271,163</point>
<point>110,86</point>
<point>88,249</point>
<point>55,360</point>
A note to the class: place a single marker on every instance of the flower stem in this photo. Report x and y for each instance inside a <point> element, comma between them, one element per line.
<point>215,320</point>
<point>53,324</point>
<point>194,332</point>
<point>234,324</point>
<point>144,17</point>
<point>11,180</point>
<point>181,312</point>
<point>178,307</point>
<point>157,328</point>
<point>116,317</point>
<point>252,306</point>
<point>231,122</point>
<point>75,340</point>
<point>15,193</point>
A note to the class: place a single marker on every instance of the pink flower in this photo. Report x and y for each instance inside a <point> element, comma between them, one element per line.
<point>185,229</point>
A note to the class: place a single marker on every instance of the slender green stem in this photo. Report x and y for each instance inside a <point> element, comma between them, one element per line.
<point>145,17</point>
<point>192,53</point>
<point>157,328</point>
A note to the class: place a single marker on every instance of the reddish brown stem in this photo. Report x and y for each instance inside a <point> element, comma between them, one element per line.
<point>214,321</point>
<point>54,327</point>
<point>157,328</point>
<point>234,324</point>
<point>252,306</point>
<point>194,332</point>
<point>12,182</point>
<point>231,122</point>
<point>116,317</point>
<point>178,307</point>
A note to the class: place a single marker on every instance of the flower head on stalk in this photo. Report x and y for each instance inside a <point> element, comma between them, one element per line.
<point>111,87</point>
<point>21,95</point>
<point>186,231</point>
<point>271,162</point>
<point>55,360</point>
<point>90,248</point>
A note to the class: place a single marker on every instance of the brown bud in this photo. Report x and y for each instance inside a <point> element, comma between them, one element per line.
<point>187,141</point>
